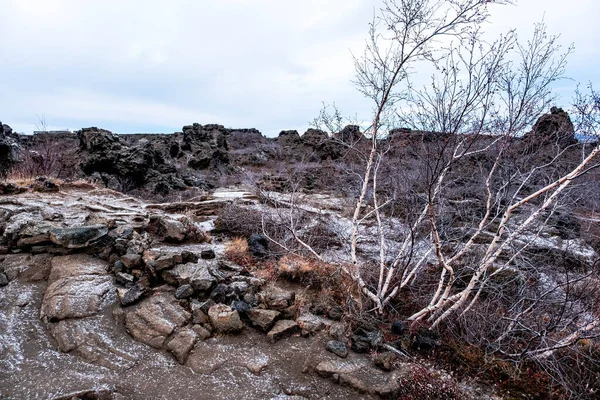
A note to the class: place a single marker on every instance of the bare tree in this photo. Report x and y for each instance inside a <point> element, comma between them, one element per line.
<point>467,126</point>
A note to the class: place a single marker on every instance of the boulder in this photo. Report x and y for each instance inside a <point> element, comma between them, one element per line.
<point>131,295</point>
<point>262,319</point>
<point>78,286</point>
<point>282,328</point>
<point>182,343</point>
<point>338,348</point>
<point>169,230</point>
<point>195,274</point>
<point>276,298</point>
<point>224,319</point>
<point>77,237</point>
<point>155,319</point>
<point>258,245</point>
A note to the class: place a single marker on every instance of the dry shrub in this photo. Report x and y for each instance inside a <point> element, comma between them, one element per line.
<point>47,156</point>
<point>238,221</point>
<point>308,271</point>
<point>237,252</point>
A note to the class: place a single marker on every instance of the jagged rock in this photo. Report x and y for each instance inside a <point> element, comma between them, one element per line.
<point>131,260</point>
<point>282,328</point>
<point>553,128</point>
<point>258,245</point>
<point>8,149</point>
<point>170,230</point>
<point>184,291</point>
<point>263,319</point>
<point>154,319</point>
<point>124,278</point>
<point>77,237</point>
<point>201,331</point>
<point>78,286</point>
<point>241,307</point>
<point>131,296</point>
<point>276,298</point>
<point>224,319</point>
<point>364,341</point>
<point>182,343</point>
<point>198,315</point>
<point>197,275</point>
<point>207,145</point>
<point>160,260</point>
<point>338,348</point>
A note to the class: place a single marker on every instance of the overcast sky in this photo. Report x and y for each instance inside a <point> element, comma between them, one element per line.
<point>155,65</point>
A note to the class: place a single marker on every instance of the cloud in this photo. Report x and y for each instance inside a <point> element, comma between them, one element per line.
<point>154,65</point>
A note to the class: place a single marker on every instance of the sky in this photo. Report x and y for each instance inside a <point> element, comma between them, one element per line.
<point>135,66</point>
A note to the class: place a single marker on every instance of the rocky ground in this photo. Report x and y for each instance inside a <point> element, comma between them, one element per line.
<point>104,296</point>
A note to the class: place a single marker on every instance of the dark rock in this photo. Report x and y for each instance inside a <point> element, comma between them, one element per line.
<point>132,295</point>
<point>184,291</point>
<point>426,339</point>
<point>9,188</point>
<point>241,307</point>
<point>363,341</point>
<point>399,327</point>
<point>77,237</point>
<point>337,348</point>
<point>258,245</point>
<point>553,128</point>
<point>118,267</point>
<point>207,254</point>
<point>282,328</point>
<point>188,257</point>
<point>124,278</point>
<point>9,145</point>
<point>3,279</point>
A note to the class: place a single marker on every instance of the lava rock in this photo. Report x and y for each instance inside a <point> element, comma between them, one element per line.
<point>132,295</point>
<point>3,279</point>
<point>207,254</point>
<point>258,245</point>
<point>337,348</point>
<point>184,291</point>
<point>399,327</point>
<point>77,237</point>
<point>282,328</point>
<point>263,319</point>
<point>224,319</point>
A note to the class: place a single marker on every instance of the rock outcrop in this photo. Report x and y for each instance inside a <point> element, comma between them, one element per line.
<point>554,128</point>
<point>8,148</point>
